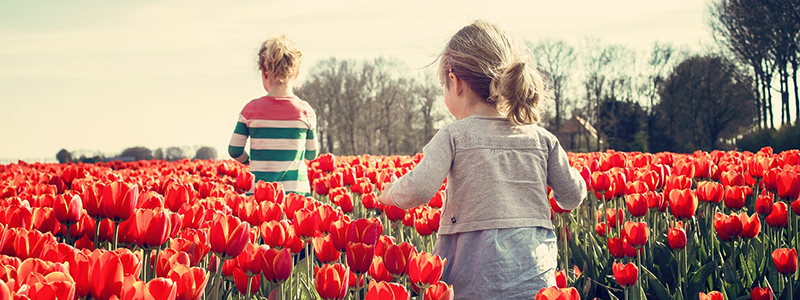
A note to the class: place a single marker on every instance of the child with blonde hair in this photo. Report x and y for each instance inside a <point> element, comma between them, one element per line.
<point>281,127</point>
<point>495,229</point>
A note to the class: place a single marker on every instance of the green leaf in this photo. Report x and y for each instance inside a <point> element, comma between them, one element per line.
<point>661,291</point>
<point>698,279</point>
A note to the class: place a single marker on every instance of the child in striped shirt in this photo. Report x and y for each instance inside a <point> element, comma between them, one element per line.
<point>281,127</point>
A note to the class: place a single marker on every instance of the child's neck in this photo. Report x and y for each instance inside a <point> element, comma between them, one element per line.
<point>285,89</point>
<point>479,107</point>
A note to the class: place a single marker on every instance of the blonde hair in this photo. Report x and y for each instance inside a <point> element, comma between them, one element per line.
<point>279,57</point>
<point>496,69</point>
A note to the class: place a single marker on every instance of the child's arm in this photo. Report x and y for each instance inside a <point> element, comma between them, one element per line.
<point>419,185</point>
<point>312,141</point>
<point>238,140</point>
<point>568,186</point>
<point>312,144</point>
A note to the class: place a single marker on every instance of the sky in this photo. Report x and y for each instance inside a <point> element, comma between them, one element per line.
<point>108,75</point>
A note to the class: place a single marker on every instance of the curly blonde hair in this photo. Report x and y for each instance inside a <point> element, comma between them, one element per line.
<point>280,58</point>
<point>496,69</point>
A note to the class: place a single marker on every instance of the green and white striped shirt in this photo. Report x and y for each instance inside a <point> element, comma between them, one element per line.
<point>282,132</point>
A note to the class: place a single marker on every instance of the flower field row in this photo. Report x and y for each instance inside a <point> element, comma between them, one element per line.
<point>658,226</point>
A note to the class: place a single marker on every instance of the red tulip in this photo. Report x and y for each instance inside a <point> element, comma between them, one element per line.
<point>785,260</point>
<point>369,200</point>
<point>327,162</point>
<point>709,191</point>
<point>397,257</point>
<point>711,296</point>
<point>555,293</point>
<point>425,270</point>
<point>169,259</point>
<point>156,289</point>
<point>615,247</point>
<point>277,265</point>
<point>244,181</point>
<point>788,185</point>
<point>394,213</point>
<point>637,204</point>
<point>251,258</point>
<point>92,197</point>
<point>377,270</point>
<point>730,178</point>
<point>120,200</point>
<point>764,203</point>
<point>727,227</point>
<point>107,275</point>
<point>735,196</point>
<point>677,182</point>
<point>269,191</point>
<point>324,249</point>
<point>190,282</point>
<point>779,217</point>
<point>359,257</point>
<point>439,291</point>
<point>274,234</point>
<point>387,291</point>
<point>241,279</point>
<point>601,182</point>
<point>629,250</point>
<point>626,275</point>
<point>228,236</point>
<point>364,231</point>
<point>561,279</point>
<point>676,236</point>
<point>637,233</point>
<point>68,209</point>
<point>682,203</point>
<point>636,187</point>
<point>321,186</point>
<point>55,285</point>
<point>152,228</point>
<point>438,200</point>
<point>331,281</point>
<point>761,294</point>
<point>306,223</point>
<point>751,226</point>
<point>601,229</point>
<point>176,195</point>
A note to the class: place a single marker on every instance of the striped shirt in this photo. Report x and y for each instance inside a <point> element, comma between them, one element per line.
<point>282,132</point>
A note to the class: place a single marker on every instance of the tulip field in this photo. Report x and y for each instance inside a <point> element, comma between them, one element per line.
<point>707,225</point>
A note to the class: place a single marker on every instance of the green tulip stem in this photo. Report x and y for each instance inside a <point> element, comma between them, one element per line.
<point>146,262</point>
<point>96,233</point>
<point>116,234</point>
<point>639,275</point>
<point>249,283</point>
<point>66,237</point>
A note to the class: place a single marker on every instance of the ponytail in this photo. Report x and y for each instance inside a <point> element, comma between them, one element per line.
<point>518,91</point>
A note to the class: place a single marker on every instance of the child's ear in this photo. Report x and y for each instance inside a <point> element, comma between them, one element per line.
<point>459,84</point>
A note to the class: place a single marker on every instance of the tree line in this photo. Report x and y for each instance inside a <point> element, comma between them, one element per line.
<point>139,153</point>
<point>764,37</point>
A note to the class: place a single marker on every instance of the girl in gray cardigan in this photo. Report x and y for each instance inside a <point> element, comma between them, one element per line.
<point>495,229</point>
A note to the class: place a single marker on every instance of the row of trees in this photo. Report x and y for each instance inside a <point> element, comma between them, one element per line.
<point>373,106</point>
<point>139,153</point>
<point>764,37</point>
<point>638,101</point>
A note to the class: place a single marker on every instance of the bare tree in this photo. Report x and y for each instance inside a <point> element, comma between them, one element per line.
<point>556,58</point>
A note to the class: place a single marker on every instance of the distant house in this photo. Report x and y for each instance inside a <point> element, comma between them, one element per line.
<point>577,135</point>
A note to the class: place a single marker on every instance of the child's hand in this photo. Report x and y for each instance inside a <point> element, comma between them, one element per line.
<point>385,197</point>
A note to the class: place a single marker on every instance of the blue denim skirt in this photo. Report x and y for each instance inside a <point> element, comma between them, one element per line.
<point>510,263</point>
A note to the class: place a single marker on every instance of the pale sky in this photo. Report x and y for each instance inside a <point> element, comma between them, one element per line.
<point>108,75</point>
